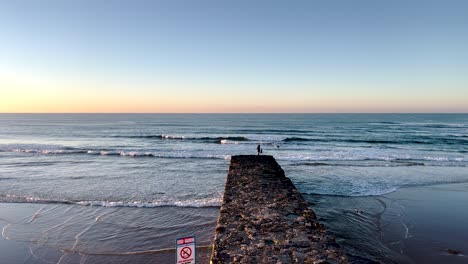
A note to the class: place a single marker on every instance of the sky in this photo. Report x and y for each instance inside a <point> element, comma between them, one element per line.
<point>216,56</point>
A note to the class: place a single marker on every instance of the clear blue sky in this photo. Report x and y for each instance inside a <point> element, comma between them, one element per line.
<point>233,56</point>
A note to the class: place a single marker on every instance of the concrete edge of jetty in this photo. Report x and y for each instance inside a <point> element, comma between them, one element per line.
<point>264,219</point>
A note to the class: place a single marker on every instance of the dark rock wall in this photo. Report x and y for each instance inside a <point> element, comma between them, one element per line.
<point>264,219</point>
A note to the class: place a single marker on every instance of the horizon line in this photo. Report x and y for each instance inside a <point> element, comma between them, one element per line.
<point>223,113</point>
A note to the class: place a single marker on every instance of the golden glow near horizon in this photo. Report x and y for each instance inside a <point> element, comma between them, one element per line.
<point>30,95</point>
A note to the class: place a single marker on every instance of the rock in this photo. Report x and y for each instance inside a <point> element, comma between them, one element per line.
<point>264,219</point>
<point>220,228</point>
<point>299,257</point>
<point>284,259</point>
<point>454,252</point>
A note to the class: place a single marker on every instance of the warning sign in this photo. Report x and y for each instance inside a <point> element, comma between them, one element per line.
<point>185,250</point>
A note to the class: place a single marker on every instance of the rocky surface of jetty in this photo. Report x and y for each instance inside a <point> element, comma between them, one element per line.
<point>264,219</point>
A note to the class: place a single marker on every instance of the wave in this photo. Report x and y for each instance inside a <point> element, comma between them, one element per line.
<point>352,193</point>
<point>420,124</point>
<point>374,161</point>
<point>221,139</point>
<point>355,189</point>
<point>299,139</point>
<point>275,131</point>
<point>196,203</point>
<point>434,125</point>
<point>296,139</point>
<point>46,151</point>
<point>393,163</point>
<point>427,141</point>
<point>107,152</point>
<point>76,151</point>
<point>121,153</point>
<point>218,140</point>
<point>137,154</point>
<point>313,159</point>
<point>172,137</point>
<point>384,123</point>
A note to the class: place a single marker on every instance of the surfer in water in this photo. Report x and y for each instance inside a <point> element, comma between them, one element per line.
<point>259,149</point>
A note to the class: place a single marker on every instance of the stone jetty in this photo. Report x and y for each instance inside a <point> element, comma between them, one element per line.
<point>264,219</point>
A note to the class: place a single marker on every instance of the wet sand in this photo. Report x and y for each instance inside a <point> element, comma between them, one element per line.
<point>411,225</point>
<point>425,224</point>
<point>436,218</point>
<point>60,233</point>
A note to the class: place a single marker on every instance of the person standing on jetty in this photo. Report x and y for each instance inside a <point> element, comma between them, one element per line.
<point>259,149</point>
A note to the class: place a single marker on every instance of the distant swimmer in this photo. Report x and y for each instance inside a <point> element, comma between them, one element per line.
<point>259,149</point>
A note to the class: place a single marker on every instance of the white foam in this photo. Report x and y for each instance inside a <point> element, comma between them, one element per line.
<point>322,155</point>
<point>14,198</point>
<point>433,124</point>
<point>44,151</point>
<point>370,182</point>
<point>436,158</point>
<point>136,154</point>
<point>355,192</point>
<point>206,202</point>
<point>172,137</point>
<point>361,155</point>
<point>102,152</point>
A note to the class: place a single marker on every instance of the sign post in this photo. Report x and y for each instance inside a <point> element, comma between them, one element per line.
<point>185,250</point>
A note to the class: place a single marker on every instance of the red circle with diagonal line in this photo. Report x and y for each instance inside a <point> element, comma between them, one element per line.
<point>185,252</point>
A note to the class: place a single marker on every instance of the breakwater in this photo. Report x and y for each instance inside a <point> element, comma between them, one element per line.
<point>264,219</point>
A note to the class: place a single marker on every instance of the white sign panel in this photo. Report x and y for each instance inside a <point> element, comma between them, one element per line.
<point>185,250</point>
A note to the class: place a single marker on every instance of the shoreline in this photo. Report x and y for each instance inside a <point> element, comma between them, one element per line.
<point>434,216</point>
<point>419,224</point>
<point>437,221</point>
<point>49,233</point>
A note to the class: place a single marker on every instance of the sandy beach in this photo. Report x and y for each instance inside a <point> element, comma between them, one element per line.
<point>435,219</point>
<point>51,233</point>
<point>425,224</point>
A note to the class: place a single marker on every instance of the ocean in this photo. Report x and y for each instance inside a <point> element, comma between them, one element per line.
<point>97,179</point>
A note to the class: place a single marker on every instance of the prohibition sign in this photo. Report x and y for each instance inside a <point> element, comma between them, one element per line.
<point>185,252</point>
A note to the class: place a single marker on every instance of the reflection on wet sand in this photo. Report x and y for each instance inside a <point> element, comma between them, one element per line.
<point>83,234</point>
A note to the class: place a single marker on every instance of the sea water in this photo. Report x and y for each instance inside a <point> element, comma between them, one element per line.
<point>178,162</point>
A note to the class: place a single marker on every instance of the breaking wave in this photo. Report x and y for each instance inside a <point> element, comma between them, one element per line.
<point>208,202</point>
<point>197,203</point>
<point>315,158</point>
<point>57,150</point>
<point>218,140</point>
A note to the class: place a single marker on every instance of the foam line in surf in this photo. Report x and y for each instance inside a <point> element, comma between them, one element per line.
<point>208,202</point>
<point>198,203</point>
